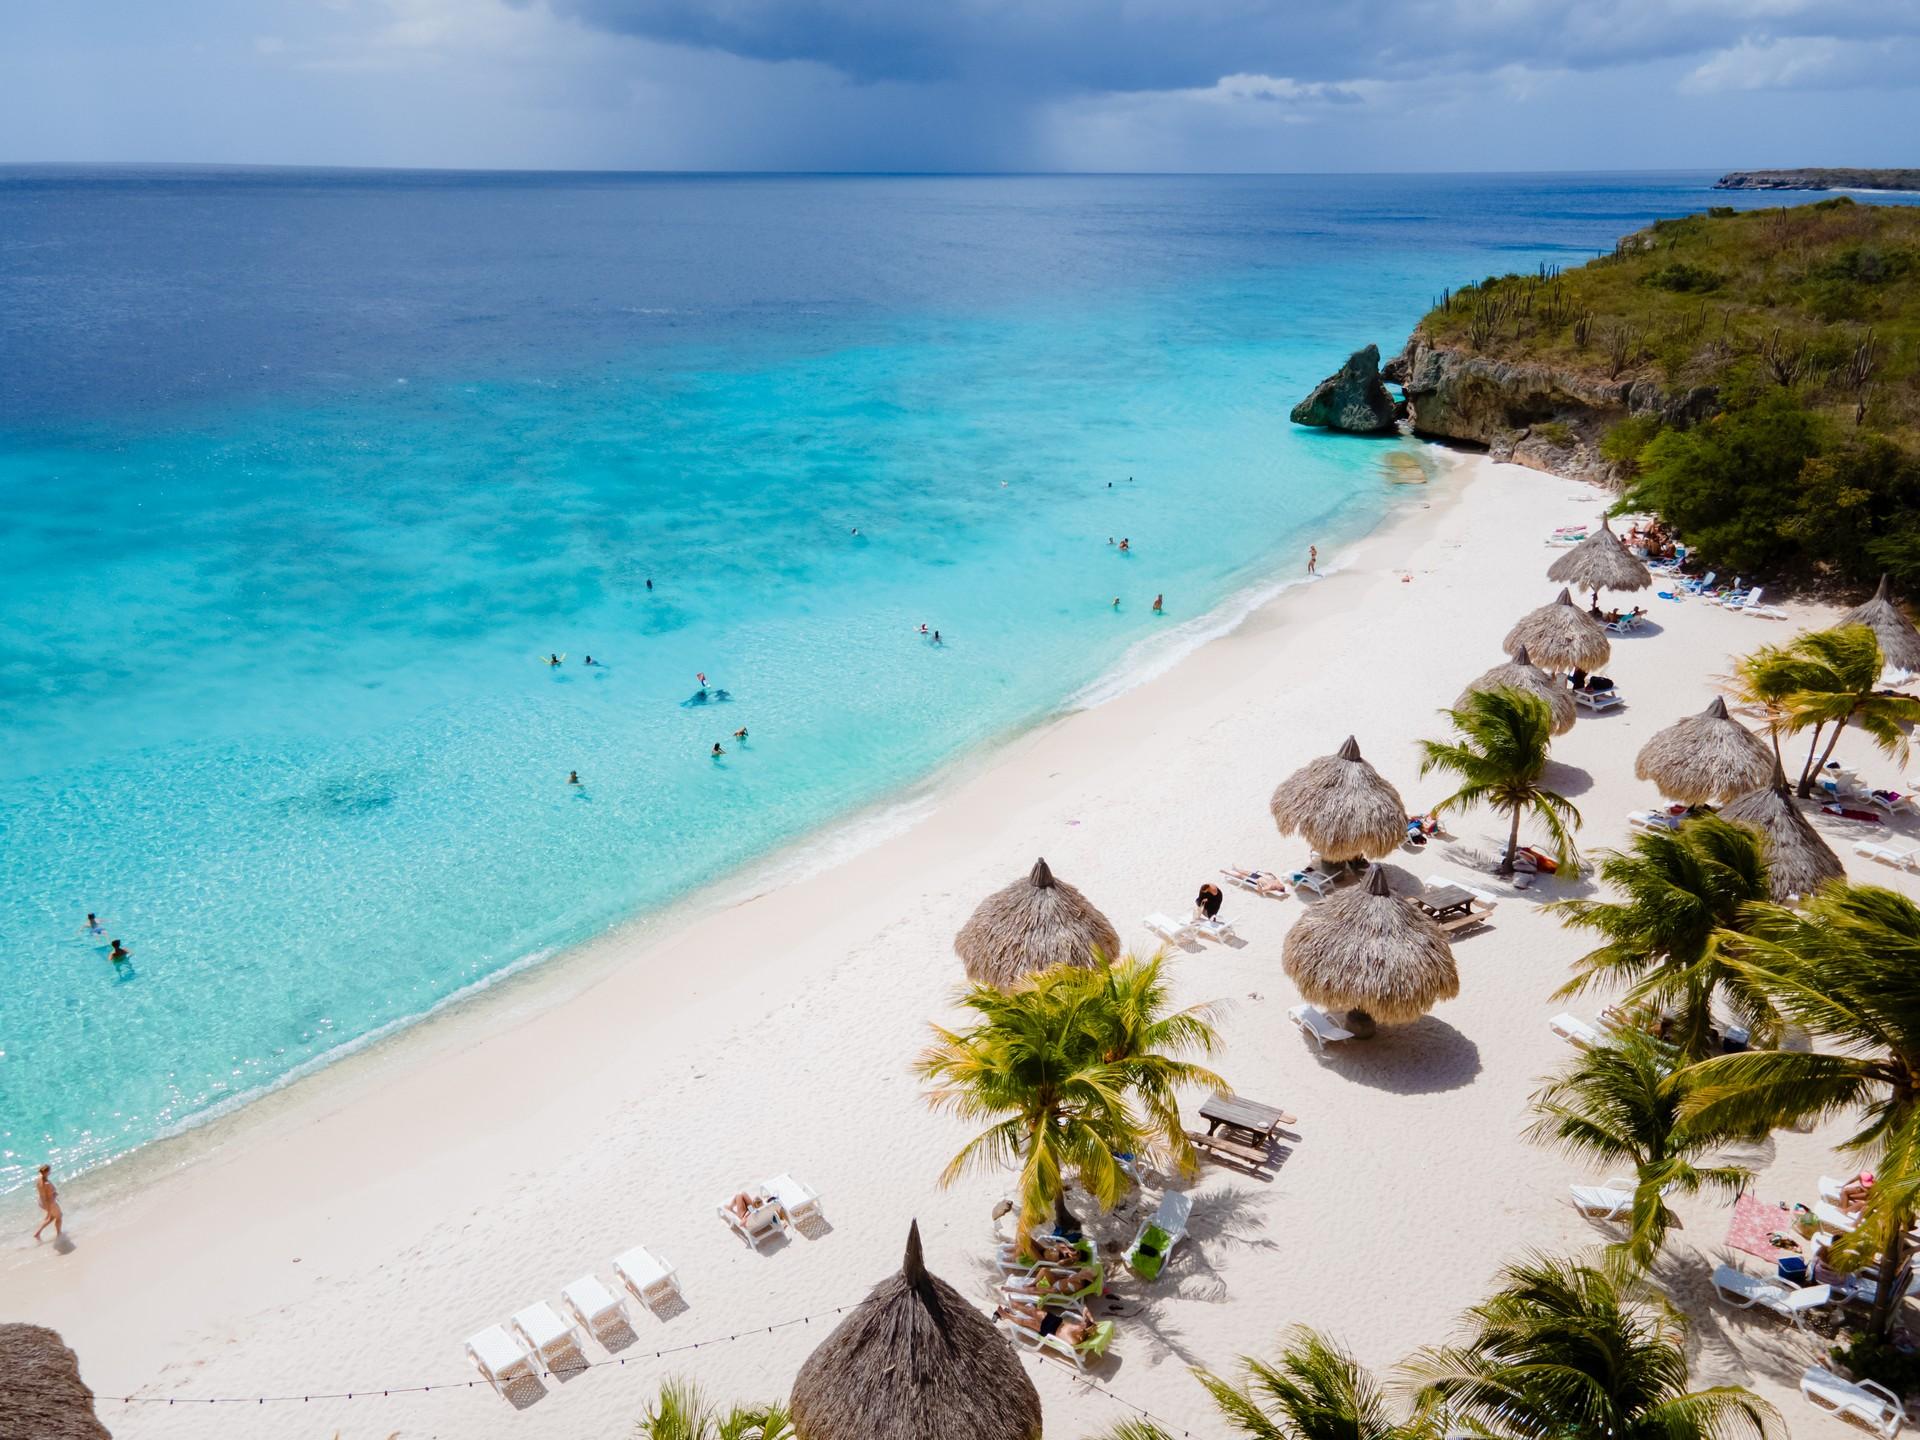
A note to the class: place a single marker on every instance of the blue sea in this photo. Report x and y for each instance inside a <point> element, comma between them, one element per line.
<point>304,475</point>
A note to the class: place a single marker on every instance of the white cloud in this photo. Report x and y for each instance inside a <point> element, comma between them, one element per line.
<point>1815,62</point>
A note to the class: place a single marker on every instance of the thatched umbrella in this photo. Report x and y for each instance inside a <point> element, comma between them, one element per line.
<point>1799,862</point>
<point>1344,807</point>
<point>41,1392</point>
<point>1371,953</point>
<point>1600,562</point>
<point>1899,641</point>
<point>1033,924</point>
<point>1560,636</point>
<point>1705,759</point>
<point>1520,673</point>
<point>914,1361</point>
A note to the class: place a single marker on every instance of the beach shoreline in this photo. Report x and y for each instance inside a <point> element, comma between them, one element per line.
<point>359,1227</point>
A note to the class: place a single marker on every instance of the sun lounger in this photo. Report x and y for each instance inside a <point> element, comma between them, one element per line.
<point>798,1200</point>
<point>1012,1264</point>
<point>1574,1030</point>
<point>1901,857</point>
<point>1744,1292</point>
<point>1653,820</point>
<point>1702,585</point>
<point>1893,802</point>
<point>1173,931</point>
<point>1215,927</point>
<point>1042,1286</point>
<point>1318,881</point>
<point>1610,1201</point>
<point>1078,1356</point>
<point>761,1224</point>
<point>545,1333</point>
<point>1166,1228</point>
<point>1260,882</point>
<point>652,1280</point>
<point>1867,1401</point>
<point>594,1307</point>
<point>1318,1026</point>
<point>1833,1219</point>
<point>499,1357</point>
<point>1597,700</point>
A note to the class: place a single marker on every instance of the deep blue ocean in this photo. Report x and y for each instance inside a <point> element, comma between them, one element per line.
<point>304,474</point>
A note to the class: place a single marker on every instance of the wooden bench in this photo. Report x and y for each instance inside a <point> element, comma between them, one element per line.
<point>1463,924</point>
<point>1219,1147</point>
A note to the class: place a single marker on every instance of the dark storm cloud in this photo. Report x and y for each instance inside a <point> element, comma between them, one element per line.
<point>1049,47</point>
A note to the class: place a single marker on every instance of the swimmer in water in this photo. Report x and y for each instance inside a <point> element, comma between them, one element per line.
<point>1125,545</point>
<point>120,954</point>
<point>936,637</point>
<point>553,661</point>
<point>717,751</point>
<point>701,676</point>
<point>741,733</point>
<point>923,627</point>
<point>854,531</point>
<point>573,777</point>
<point>649,582</point>
<point>587,661</point>
<point>95,925</point>
<point>1158,601</point>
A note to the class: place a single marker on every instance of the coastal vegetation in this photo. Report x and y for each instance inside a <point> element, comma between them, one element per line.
<point>1823,681</point>
<point>1499,756</point>
<point>1753,377</point>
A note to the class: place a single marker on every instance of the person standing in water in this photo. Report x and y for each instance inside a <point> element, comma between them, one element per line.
<point>740,734</point>
<point>717,751</point>
<point>1158,602</point>
<point>573,777</point>
<point>49,1199</point>
<point>1313,558</point>
<point>119,954</point>
<point>553,661</point>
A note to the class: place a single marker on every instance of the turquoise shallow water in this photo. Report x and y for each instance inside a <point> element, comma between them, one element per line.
<point>290,527</point>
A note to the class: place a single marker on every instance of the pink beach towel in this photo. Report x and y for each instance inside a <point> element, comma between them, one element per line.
<point>1753,1221</point>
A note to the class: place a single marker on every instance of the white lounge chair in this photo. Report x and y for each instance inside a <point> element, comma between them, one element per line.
<point>1867,1401</point>
<point>1597,700</point>
<point>1215,927</point>
<point>1653,820</point>
<point>1833,1219</point>
<point>1574,1030</point>
<point>545,1333</point>
<point>1610,1201</point>
<point>1892,803</point>
<point>1744,1292</point>
<point>1318,881</point>
<point>1176,1208</point>
<point>797,1200</point>
<point>499,1357</point>
<point>1901,857</point>
<point>1318,1026</point>
<point>1173,931</point>
<point>652,1280</point>
<point>594,1307</point>
<point>762,1222</point>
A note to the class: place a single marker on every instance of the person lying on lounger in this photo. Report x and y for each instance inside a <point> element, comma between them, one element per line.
<point>1069,1328</point>
<point>1853,1194</point>
<point>1264,882</point>
<point>744,1204</point>
<point>1067,1282</point>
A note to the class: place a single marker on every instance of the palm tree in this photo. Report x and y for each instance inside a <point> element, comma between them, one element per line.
<point>682,1413</point>
<point>1314,1390</point>
<point>1827,679</point>
<point>1847,968</point>
<point>1766,678</point>
<point>1614,1105</point>
<point>1057,1068</point>
<point>1566,1349</point>
<point>1499,756</point>
<point>1680,891</point>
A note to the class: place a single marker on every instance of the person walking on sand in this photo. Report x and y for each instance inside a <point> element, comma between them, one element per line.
<point>49,1199</point>
<point>1313,558</point>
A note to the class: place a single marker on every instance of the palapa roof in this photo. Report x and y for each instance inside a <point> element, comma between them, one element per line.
<point>1899,641</point>
<point>1601,562</point>
<point>1520,673</point>
<point>1342,805</point>
<point>914,1361</point>
<point>41,1392</point>
<point>1799,862</point>
<point>1705,759</point>
<point>1364,948</point>
<point>1033,924</point>
<point>1560,636</point>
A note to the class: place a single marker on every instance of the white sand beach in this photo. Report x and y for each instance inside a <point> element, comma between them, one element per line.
<point>351,1232</point>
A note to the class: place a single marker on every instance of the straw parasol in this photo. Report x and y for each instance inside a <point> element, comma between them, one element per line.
<point>1705,759</point>
<point>1520,673</point>
<point>1799,862</point>
<point>1560,636</point>
<point>1899,641</point>
<point>1367,951</point>
<point>1344,807</point>
<point>1033,924</point>
<point>914,1361</point>
<point>1600,562</point>
<point>41,1391</point>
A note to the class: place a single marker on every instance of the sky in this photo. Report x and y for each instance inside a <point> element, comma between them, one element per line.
<point>970,85</point>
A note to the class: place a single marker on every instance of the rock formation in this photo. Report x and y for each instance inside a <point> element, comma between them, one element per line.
<point>1353,399</point>
<point>1814,179</point>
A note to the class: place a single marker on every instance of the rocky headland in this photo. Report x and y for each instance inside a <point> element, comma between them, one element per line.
<point>1816,179</point>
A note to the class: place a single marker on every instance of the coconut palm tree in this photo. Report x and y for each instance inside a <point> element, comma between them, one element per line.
<point>1845,968</point>
<point>1766,678</point>
<point>682,1413</point>
<point>1564,1349</point>
<point>1313,1390</point>
<point>1613,1105</point>
<point>1499,756</point>
<point>1078,1068</point>
<point>1824,681</point>
<point>1680,891</point>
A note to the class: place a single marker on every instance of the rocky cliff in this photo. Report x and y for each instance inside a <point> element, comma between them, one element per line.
<point>1351,399</point>
<point>1544,416</point>
<point>1819,180</point>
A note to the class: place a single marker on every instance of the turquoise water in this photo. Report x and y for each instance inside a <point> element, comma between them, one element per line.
<point>280,582</point>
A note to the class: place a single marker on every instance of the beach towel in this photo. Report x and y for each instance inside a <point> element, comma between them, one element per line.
<point>1753,1221</point>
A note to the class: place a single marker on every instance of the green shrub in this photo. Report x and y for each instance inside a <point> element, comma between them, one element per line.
<point>1871,1358</point>
<point>1555,432</point>
<point>1683,278</point>
<point>1624,442</point>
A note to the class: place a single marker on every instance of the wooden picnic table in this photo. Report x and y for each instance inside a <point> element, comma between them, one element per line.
<point>1443,902</point>
<point>1238,1114</point>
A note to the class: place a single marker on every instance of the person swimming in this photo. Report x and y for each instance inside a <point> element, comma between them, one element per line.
<point>923,627</point>
<point>553,661</point>
<point>1116,602</point>
<point>95,925</point>
<point>717,751</point>
<point>573,777</point>
<point>649,582</point>
<point>1125,545</point>
<point>119,954</point>
<point>587,661</point>
<point>741,733</point>
<point>936,637</point>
